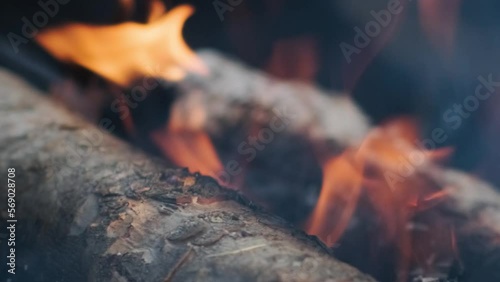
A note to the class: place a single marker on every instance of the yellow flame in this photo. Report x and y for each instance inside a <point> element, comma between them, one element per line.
<point>126,51</point>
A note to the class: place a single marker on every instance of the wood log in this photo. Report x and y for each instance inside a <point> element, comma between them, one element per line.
<point>90,208</point>
<point>322,117</point>
<point>234,92</point>
<point>474,207</point>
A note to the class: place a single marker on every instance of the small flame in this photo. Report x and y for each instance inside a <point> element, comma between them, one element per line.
<point>396,194</point>
<point>189,149</point>
<point>127,51</point>
<point>439,21</point>
<point>342,181</point>
<point>184,141</point>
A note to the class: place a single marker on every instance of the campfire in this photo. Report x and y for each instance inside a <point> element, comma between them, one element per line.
<point>246,154</point>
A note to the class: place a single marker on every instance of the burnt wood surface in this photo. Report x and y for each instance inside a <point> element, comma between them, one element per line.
<point>91,208</point>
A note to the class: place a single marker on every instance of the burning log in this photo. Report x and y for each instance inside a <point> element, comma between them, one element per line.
<point>127,52</point>
<point>233,93</point>
<point>236,100</point>
<point>323,117</point>
<point>227,95</point>
<point>89,208</point>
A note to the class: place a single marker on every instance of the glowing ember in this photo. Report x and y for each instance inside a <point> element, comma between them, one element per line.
<point>124,52</point>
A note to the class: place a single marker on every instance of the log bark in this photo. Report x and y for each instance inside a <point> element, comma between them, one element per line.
<point>90,208</point>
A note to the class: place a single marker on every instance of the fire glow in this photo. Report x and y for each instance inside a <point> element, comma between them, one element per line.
<point>122,53</point>
<point>372,169</point>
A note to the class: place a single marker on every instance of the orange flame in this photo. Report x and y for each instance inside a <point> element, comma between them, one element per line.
<point>341,188</point>
<point>184,141</point>
<point>127,51</point>
<point>189,149</point>
<point>124,52</point>
<point>396,194</point>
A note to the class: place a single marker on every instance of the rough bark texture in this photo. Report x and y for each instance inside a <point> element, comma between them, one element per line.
<point>90,208</point>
